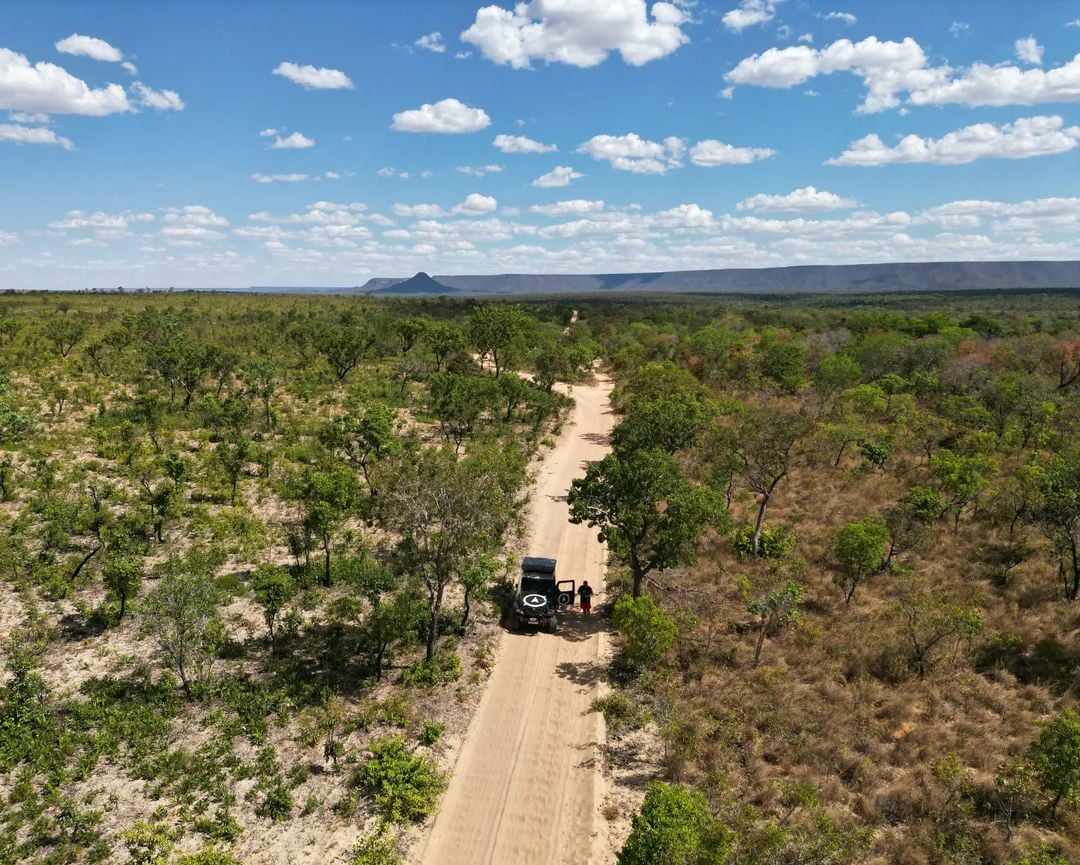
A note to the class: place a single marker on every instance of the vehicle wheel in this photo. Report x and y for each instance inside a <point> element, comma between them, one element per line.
<point>553,627</point>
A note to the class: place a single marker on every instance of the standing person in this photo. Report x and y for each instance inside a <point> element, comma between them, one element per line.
<point>585,597</point>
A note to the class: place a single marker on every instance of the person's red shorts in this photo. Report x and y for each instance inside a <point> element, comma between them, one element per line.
<point>586,606</point>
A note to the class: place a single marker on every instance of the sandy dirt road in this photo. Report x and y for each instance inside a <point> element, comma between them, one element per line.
<point>527,784</point>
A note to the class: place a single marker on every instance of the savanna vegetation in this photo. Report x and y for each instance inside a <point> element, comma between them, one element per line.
<point>844,537</point>
<point>248,548</point>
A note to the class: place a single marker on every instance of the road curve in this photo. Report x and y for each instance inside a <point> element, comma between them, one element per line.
<point>527,784</point>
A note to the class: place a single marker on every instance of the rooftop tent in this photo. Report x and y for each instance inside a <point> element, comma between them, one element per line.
<point>537,565</point>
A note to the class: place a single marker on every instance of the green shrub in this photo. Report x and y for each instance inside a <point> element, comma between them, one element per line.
<point>647,631</point>
<point>446,667</point>
<point>209,856</point>
<point>277,804</point>
<point>776,543</point>
<point>620,713</point>
<point>669,829</point>
<point>376,849</point>
<point>148,843</point>
<point>431,733</point>
<point>403,785</point>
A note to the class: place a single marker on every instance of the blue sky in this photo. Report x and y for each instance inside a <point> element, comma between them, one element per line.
<point>229,144</point>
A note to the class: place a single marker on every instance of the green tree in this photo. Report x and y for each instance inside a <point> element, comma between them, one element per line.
<point>443,339</point>
<point>122,574</point>
<point>765,441</point>
<point>671,828</point>
<point>859,548</point>
<point>343,346</point>
<point>274,588</point>
<point>774,610</point>
<point>64,333</point>
<point>233,454</point>
<point>404,786</point>
<point>835,374</point>
<point>329,496</point>
<point>458,402</point>
<point>363,439</point>
<point>784,362</point>
<point>497,330</point>
<point>930,622</point>
<point>447,511</point>
<point>961,478</point>
<point>647,511</point>
<point>182,613</point>
<point>1055,756</point>
<point>259,375</point>
<point>670,422</point>
<point>647,631</point>
<point>1057,515</point>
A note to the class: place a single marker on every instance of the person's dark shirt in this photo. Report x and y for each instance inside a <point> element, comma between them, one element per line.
<point>585,593</point>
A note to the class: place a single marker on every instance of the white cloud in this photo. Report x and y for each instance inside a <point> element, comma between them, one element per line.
<point>191,224</point>
<point>846,17</point>
<point>1027,137</point>
<point>445,116</point>
<point>890,69</point>
<point>573,207</point>
<point>32,135</point>
<point>77,220</point>
<point>129,67</point>
<point>47,88</point>
<point>432,42</point>
<point>1028,50</point>
<point>24,117</point>
<point>710,153</point>
<point>476,204</point>
<point>808,199</point>
<point>295,141</point>
<point>159,100</point>
<point>89,46</point>
<point>578,32</point>
<point>314,78</point>
<point>280,178</point>
<point>390,171</point>
<point>632,153</point>
<point>559,176</point>
<point>268,133</point>
<point>419,211</point>
<point>750,13</point>
<point>479,170</point>
<point>521,144</point>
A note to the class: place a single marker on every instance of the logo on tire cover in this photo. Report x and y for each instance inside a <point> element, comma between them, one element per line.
<point>534,601</point>
<point>565,598</point>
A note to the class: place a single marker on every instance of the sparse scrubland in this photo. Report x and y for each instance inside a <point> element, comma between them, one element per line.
<point>251,549</point>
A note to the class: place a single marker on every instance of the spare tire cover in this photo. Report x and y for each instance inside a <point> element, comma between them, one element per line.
<point>566,598</point>
<point>535,602</point>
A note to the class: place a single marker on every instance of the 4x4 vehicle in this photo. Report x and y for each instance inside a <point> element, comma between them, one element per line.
<point>540,595</point>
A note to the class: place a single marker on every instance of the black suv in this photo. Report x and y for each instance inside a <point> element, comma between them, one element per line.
<point>540,595</point>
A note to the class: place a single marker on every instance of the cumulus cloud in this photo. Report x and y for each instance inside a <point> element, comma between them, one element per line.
<point>891,69</point>
<point>159,100</point>
<point>89,46</point>
<point>33,135</point>
<point>578,32</point>
<point>191,224</point>
<point>314,78</point>
<point>1028,50</point>
<point>48,88</point>
<point>845,17</point>
<point>573,207</point>
<point>479,170</point>
<point>1027,137</point>
<point>295,141</point>
<point>476,204</point>
<point>559,176</point>
<point>710,153</point>
<point>432,42</point>
<point>521,144</point>
<point>636,154</point>
<point>750,13</point>
<point>78,220</point>
<point>449,116</point>
<point>419,211</point>
<point>808,199</point>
